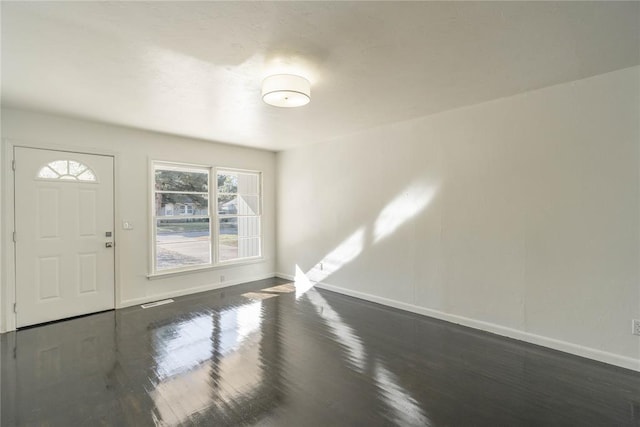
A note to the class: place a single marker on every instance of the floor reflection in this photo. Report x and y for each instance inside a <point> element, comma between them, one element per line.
<point>47,370</point>
<point>258,354</point>
<point>180,347</point>
<point>402,407</point>
<point>212,359</point>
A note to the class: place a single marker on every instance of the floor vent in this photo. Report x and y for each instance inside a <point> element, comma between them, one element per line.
<point>157,303</point>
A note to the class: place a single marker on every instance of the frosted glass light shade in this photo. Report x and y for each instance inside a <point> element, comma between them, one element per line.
<point>286,90</point>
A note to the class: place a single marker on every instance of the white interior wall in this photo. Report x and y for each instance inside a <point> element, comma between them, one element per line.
<point>133,150</point>
<point>519,216</point>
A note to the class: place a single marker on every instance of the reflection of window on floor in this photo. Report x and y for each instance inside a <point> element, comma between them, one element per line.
<point>216,353</point>
<point>181,348</point>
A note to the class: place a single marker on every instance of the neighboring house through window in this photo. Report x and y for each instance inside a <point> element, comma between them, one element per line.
<point>183,237</point>
<point>239,213</point>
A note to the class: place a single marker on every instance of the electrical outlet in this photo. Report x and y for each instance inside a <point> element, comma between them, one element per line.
<point>636,327</point>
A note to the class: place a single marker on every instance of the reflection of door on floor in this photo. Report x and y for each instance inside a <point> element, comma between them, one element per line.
<point>64,234</point>
<point>64,375</point>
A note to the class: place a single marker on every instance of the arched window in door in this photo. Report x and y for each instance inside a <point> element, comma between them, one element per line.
<point>68,170</point>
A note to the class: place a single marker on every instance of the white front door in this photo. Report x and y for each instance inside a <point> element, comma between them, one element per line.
<point>64,234</point>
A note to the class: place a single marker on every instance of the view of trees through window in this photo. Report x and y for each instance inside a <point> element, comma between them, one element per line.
<point>182,216</point>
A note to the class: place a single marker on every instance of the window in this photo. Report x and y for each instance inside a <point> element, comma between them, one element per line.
<point>182,219</point>
<point>68,170</point>
<point>239,213</point>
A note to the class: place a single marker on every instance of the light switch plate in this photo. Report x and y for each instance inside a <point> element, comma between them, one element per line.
<point>127,225</point>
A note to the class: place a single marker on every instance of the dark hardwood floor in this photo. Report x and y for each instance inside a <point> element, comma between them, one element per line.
<point>255,354</point>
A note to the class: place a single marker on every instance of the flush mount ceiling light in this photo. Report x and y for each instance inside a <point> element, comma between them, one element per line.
<point>286,90</point>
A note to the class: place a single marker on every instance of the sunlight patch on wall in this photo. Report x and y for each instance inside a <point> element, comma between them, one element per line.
<point>408,204</point>
<point>302,283</point>
<point>405,206</point>
<point>344,253</point>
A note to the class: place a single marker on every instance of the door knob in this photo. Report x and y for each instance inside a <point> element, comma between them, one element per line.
<point>108,244</point>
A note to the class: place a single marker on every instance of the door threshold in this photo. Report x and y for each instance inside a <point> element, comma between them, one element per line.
<point>22,328</point>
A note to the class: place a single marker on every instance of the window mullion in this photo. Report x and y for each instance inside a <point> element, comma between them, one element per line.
<point>199,193</point>
<point>213,228</point>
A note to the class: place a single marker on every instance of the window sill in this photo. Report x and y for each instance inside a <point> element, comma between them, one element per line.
<point>171,273</point>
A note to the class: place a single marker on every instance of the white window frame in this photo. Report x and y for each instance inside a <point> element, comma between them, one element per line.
<point>218,216</point>
<point>213,219</point>
<point>154,218</point>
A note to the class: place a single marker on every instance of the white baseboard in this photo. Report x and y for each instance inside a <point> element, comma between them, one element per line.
<point>567,347</point>
<point>189,291</point>
<point>285,276</point>
<point>177,293</point>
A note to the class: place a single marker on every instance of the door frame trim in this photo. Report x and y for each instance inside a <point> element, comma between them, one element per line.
<point>8,318</point>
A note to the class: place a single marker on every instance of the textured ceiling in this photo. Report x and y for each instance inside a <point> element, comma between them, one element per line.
<point>195,69</point>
